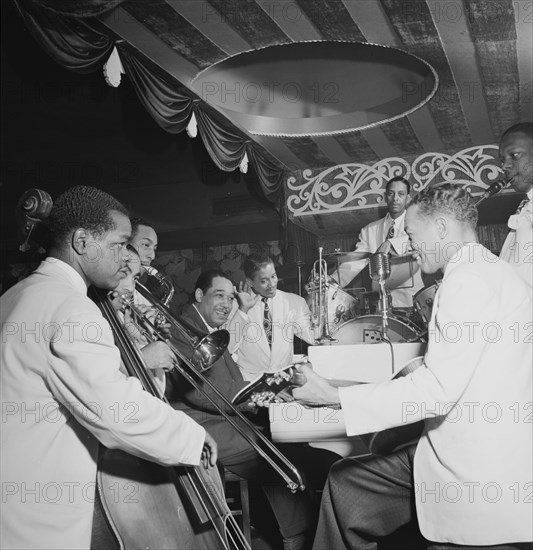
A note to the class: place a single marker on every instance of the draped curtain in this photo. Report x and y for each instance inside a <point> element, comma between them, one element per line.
<point>66,31</point>
<point>78,8</point>
<point>73,43</point>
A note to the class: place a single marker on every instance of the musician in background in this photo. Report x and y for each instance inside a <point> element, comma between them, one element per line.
<point>516,156</point>
<point>61,385</point>
<point>214,296</point>
<point>144,240</point>
<point>476,448</point>
<point>263,327</point>
<point>385,235</point>
<point>157,356</point>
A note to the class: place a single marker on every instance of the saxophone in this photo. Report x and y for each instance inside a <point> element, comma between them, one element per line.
<point>165,282</point>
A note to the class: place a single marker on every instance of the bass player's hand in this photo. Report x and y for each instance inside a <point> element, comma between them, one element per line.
<point>209,452</point>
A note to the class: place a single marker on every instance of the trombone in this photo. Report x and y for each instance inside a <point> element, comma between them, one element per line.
<point>205,350</point>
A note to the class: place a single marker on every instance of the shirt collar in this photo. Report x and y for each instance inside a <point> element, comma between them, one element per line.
<point>530,194</point>
<point>398,222</point>
<point>207,325</point>
<point>68,271</point>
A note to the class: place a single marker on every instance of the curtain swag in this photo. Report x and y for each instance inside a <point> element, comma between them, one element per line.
<point>61,29</point>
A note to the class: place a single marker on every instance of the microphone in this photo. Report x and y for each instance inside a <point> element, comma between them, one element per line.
<point>380,267</point>
<point>380,271</point>
<point>494,188</point>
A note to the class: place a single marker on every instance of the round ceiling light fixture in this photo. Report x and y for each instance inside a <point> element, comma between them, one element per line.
<point>317,88</point>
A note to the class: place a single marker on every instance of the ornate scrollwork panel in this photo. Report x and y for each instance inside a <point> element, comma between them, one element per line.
<point>355,186</point>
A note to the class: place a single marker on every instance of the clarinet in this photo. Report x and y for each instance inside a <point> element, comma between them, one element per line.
<point>496,187</point>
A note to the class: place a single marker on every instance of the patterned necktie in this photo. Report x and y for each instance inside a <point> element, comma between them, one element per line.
<point>267,321</point>
<point>390,234</point>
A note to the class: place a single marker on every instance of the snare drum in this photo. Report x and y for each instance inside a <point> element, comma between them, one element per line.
<point>367,330</point>
<point>423,302</point>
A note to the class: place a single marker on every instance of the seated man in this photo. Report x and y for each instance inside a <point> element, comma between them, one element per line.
<point>474,457</point>
<point>214,295</point>
<point>157,356</point>
<point>262,330</point>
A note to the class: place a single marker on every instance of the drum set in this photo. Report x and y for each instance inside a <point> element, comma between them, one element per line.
<point>356,317</point>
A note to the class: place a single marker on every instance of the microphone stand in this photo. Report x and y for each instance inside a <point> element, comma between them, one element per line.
<point>384,298</point>
<point>380,272</point>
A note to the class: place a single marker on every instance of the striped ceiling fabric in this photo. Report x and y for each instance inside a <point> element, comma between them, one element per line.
<point>480,50</point>
<point>475,46</point>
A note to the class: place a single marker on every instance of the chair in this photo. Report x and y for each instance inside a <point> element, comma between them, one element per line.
<point>238,500</point>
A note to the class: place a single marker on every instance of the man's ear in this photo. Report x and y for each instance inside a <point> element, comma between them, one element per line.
<point>249,282</point>
<point>79,240</point>
<point>198,295</point>
<point>442,226</point>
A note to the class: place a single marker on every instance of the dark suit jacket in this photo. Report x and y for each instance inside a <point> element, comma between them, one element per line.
<point>226,376</point>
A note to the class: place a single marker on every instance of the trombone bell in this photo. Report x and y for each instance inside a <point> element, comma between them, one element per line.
<point>206,349</point>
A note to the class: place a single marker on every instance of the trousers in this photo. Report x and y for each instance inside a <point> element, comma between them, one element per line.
<point>368,499</point>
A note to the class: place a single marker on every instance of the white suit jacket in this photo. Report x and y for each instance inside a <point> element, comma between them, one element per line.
<point>474,461</point>
<point>518,246</point>
<point>62,392</point>
<point>290,317</point>
<point>372,236</point>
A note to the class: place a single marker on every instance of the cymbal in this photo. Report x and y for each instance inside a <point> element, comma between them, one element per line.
<point>353,255</point>
<point>290,268</point>
<point>336,253</point>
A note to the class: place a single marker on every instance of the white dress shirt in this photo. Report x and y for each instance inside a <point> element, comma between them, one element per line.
<point>474,462</point>
<point>62,393</point>
<point>371,237</point>
<point>518,246</point>
<point>248,343</point>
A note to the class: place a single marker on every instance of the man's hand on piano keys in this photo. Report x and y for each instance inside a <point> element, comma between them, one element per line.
<point>316,391</point>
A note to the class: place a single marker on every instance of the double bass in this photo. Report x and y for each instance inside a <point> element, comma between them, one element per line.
<point>141,504</point>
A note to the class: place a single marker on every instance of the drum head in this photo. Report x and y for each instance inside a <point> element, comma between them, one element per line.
<point>367,330</point>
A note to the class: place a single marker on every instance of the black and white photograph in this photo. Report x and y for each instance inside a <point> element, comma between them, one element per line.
<point>266,275</point>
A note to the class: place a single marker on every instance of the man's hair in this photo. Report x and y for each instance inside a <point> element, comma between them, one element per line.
<point>135,223</point>
<point>205,280</point>
<point>399,178</point>
<point>450,199</point>
<point>254,262</point>
<point>522,127</point>
<point>82,207</point>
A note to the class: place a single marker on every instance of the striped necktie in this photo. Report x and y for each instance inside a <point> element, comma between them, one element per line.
<point>390,233</point>
<point>267,321</point>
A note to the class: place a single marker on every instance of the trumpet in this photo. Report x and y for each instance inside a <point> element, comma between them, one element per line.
<point>319,308</point>
<point>205,350</point>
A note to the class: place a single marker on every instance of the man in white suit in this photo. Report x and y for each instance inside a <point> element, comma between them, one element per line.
<point>465,479</point>
<point>385,235</point>
<point>516,155</point>
<point>62,390</point>
<point>263,327</point>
